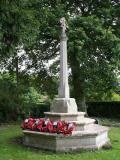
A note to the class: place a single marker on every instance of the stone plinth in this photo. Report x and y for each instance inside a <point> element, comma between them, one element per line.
<point>94,138</point>
<point>84,124</point>
<point>65,116</point>
<point>64,105</point>
<point>87,135</point>
<point>61,116</point>
<point>64,109</point>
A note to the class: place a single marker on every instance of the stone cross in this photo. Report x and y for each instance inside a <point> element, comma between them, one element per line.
<point>64,25</point>
<point>63,90</point>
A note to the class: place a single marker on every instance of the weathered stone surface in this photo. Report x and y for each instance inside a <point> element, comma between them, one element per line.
<point>81,123</point>
<point>61,116</point>
<point>84,124</point>
<point>78,140</point>
<point>80,115</point>
<point>87,135</point>
<point>63,90</point>
<point>65,116</point>
<point>64,105</point>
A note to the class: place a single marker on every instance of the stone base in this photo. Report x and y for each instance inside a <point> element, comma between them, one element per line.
<point>84,124</point>
<point>65,116</point>
<point>87,135</point>
<point>64,105</point>
<point>94,138</point>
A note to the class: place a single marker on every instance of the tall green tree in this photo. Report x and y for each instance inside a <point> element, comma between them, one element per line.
<point>18,27</point>
<point>93,56</point>
<point>93,45</point>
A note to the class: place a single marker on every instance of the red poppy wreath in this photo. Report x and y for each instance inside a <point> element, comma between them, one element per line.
<point>47,125</point>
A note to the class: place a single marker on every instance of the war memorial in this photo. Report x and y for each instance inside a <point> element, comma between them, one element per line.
<point>87,135</point>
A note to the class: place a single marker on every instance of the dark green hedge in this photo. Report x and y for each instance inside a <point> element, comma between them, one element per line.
<point>33,110</point>
<point>104,109</point>
<point>96,109</point>
<point>38,110</point>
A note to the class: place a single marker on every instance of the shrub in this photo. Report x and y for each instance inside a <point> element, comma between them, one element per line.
<point>17,103</point>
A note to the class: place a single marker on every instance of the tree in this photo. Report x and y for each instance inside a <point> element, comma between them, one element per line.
<point>93,57</point>
<point>93,40</point>
<point>18,27</point>
<point>93,43</point>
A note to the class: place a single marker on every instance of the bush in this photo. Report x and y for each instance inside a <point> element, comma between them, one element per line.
<point>8,98</point>
<point>17,103</point>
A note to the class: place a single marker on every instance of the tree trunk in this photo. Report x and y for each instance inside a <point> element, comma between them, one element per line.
<point>79,93</point>
<point>81,104</point>
<point>17,72</point>
<point>15,62</point>
<point>78,84</point>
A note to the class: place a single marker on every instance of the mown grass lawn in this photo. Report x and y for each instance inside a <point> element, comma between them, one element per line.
<point>11,149</point>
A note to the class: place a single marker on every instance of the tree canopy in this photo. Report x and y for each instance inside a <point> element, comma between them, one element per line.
<point>93,42</point>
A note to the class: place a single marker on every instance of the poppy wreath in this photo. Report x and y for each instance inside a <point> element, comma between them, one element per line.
<point>47,125</point>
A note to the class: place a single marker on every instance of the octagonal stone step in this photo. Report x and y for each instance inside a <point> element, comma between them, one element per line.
<point>65,116</point>
<point>94,138</point>
<point>84,124</point>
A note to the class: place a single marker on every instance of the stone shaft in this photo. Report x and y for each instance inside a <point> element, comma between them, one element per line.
<point>63,90</point>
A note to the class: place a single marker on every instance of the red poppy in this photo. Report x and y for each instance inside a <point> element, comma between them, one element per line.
<point>46,125</point>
